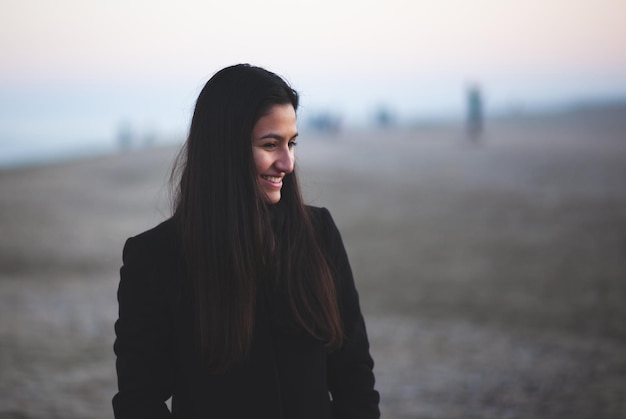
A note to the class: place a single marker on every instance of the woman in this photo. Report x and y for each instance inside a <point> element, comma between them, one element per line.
<point>242,304</point>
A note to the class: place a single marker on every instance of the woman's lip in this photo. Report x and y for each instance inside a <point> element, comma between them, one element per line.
<point>276,181</point>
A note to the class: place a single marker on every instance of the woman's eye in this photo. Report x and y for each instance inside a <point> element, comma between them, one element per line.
<point>269,146</point>
<point>292,144</point>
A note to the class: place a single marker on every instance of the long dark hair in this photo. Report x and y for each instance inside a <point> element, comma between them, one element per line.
<point>227,234</point>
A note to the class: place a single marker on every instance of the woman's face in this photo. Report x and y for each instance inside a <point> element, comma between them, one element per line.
<point>273,140</point>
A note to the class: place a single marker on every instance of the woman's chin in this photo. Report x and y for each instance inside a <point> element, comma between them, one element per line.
<point>272,197</point>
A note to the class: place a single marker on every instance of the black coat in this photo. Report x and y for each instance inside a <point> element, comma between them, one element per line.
<point>288,375</point>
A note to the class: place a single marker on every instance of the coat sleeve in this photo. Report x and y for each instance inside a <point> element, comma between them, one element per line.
<point>143,343</point>
<point>350,368</point>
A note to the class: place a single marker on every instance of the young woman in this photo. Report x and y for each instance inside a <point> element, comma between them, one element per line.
<point>242,304</point>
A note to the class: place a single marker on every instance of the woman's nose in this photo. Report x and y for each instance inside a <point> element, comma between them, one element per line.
<point>285,161</point>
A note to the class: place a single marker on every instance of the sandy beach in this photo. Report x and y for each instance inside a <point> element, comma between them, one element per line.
<point>492,274</point>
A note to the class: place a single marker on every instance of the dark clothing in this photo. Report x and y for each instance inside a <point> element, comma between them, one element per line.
<point>287,375</point>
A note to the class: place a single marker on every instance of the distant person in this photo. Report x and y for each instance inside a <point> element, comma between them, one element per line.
<point>242,304</point>
<point>124,135</point>
<point>384,117</point>
<point>474,112</point>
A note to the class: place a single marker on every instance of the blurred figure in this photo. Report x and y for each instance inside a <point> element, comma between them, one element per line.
<point>325,122</point>
<point>124,135</point>
<point>474,122</point>
<point>384,117</point>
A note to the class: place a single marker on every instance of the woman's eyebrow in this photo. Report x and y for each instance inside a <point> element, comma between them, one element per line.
<point>276,136</point>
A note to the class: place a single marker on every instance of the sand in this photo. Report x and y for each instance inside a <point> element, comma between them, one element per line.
<point>492,274</point>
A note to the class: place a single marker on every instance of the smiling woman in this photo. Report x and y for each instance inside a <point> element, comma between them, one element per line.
<point>242,304</point>
<point>273,141</point>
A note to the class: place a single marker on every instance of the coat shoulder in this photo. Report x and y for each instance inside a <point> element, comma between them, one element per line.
<point>165,231</point>
<point>156,245</point>
<point>316,212</point>
<point>325,228</point>
<point>320,217</point>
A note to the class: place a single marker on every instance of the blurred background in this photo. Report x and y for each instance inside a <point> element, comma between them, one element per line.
<point>473,155</point>
<point>83,76</point>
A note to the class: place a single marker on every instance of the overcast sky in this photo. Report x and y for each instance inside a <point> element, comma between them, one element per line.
<point>407,53</point>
